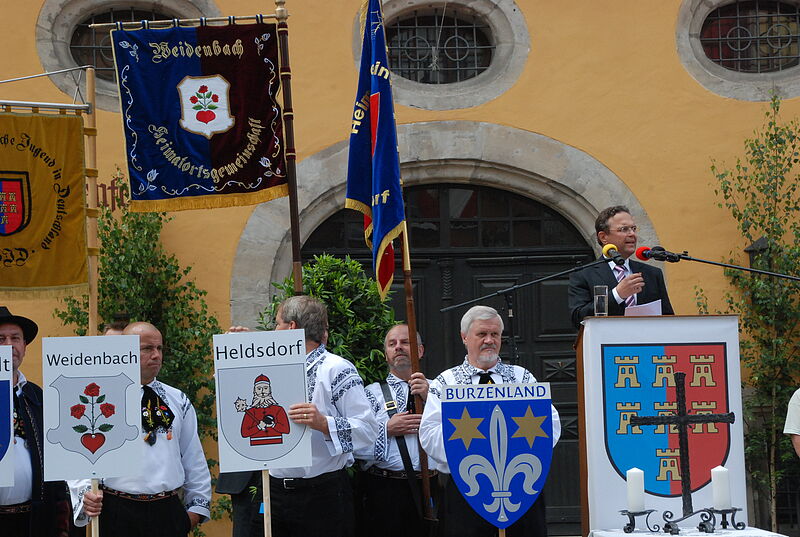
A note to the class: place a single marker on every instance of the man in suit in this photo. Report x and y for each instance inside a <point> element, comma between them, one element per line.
<point>631,283</point>
<point>245,491</point>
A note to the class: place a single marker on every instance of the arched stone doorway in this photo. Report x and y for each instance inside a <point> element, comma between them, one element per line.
<point>468,241</point>
<point>564,180</point>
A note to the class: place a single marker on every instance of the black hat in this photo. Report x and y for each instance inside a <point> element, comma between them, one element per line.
<point>29,328</point>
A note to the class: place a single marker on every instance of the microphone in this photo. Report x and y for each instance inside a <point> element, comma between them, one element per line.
<point>609,250</point>
<point>644,253</point>
<point>658,253</point>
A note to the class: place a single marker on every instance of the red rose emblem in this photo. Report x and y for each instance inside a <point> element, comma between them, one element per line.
<point>203,89</point>
<point>92,390</point>
<point>77,411</point>
<point>193,99</point>
<point>107,409</point>
<point>215,98</point>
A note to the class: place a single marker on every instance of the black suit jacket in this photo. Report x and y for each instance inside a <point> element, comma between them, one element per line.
<point>50,509</point>
<point>581,303</point>
<point>234,482</point>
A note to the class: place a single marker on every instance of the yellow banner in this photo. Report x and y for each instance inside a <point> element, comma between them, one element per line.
<point>42,206</point>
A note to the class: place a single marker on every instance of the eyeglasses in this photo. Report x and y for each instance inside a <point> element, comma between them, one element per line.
<point>626,229</point>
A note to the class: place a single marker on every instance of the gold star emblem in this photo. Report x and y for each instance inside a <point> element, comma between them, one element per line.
<point>530,427</point>
<point>466,428</point>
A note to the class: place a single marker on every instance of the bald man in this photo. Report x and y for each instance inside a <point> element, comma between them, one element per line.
<point>148,503</point>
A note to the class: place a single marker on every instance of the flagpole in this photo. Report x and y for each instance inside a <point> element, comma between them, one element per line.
<point>282,14</point>
<point>411,321</point>
<point>92,241</point>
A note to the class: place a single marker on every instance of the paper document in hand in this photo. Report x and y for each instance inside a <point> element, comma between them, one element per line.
<point>639,310</point>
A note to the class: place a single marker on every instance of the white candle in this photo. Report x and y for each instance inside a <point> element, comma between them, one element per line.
<point>721,488</point>
<point>635,478</point>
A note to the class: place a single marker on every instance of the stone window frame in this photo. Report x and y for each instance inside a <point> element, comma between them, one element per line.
<point>57,22</point>
<point>717,79</point>
<point>509,34</point>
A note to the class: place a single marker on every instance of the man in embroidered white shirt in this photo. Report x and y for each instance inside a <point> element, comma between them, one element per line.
<point>391,508</point>
<point>133,506</point>
<point>481,331</point>
<point>317,500</point>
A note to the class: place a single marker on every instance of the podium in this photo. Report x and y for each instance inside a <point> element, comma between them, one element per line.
<point>626,369</point>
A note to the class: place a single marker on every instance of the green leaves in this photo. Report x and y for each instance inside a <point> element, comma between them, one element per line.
<point>80,428</point>
<point>357,317</point>
<point>761,194</point>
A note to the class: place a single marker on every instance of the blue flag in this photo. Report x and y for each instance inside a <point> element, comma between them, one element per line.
<point>373,173</point>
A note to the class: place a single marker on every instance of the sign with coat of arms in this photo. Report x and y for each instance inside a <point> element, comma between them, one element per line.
<point>259,375</point>
<point>92,398</point>
<point>630,368</point>
<point>6,418</point>
<point>498,442</point>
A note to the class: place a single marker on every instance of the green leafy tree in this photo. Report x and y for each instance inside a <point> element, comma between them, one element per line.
<point>143,282</point>
<point>357,317</point>
<point>761,194</point>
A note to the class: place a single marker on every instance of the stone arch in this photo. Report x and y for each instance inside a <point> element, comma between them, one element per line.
<point>561,176</point>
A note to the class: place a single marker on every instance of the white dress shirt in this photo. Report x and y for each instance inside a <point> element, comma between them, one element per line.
<point>23,470</point>
<point>175,461</point>
<point>335,388</point>
<point>430,429</point>
<point>384,453</point>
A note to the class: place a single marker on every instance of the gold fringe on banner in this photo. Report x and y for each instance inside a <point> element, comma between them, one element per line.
<point>209,202</point>
<point>36,293</point>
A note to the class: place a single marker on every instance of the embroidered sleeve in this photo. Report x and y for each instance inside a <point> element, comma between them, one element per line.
<point>353,427</point>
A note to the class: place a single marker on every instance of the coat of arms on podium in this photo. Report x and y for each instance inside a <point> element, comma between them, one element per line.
<point>499,445</point>
<point>638,380</point>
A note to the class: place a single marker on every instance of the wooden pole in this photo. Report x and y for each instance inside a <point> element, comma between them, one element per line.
<point>95,524</point>
<point>583,465</point>
<point>266,500</point>
<point>411,321</point>
<point>282,14</point>
<point>93,246</point>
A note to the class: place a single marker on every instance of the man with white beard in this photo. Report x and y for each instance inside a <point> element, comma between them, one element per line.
<point>481,332</point>
<point>265,421</point>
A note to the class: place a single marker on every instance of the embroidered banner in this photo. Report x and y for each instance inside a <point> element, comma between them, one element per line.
<point>202,124</point>
<point>373,171</point>
<point>42,205</point>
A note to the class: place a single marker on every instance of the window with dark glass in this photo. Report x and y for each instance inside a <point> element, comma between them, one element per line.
<point>472,218</point>
<point>432,47</point>
<point>755,36</point>
<point>93,47</point>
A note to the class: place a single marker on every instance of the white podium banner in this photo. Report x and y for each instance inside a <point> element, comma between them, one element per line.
<point>629,370</point>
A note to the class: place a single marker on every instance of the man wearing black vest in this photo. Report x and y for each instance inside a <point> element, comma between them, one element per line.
<point>31,507</point>
<point>631,283</point>
<point>391,504</point>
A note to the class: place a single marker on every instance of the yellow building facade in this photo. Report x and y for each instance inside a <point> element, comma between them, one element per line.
<point>584,105</point>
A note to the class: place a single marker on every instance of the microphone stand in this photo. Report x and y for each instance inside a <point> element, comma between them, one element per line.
<point>671,257</point>
<point>508,295</point>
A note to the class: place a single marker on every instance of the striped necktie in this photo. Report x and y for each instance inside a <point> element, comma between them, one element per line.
<point>619,272</point>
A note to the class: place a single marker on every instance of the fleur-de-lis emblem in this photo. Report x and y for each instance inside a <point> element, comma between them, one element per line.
<point>501,473</point>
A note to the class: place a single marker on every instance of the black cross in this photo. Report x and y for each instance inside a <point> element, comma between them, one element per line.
<point>682,420</point>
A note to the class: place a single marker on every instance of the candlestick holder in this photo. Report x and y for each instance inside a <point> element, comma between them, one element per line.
<point>631,525</point>
<point>706,525</point>
<point>724,515</point>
